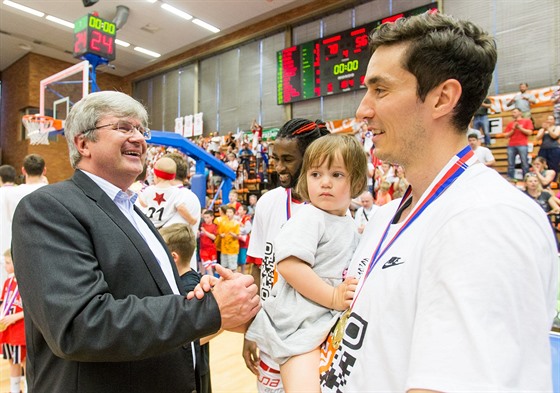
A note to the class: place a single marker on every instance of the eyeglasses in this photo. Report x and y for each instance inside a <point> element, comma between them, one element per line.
<point>125,128</point>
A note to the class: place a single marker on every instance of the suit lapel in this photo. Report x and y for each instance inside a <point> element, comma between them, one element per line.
<point>160,239</point>
<point>94,192</point>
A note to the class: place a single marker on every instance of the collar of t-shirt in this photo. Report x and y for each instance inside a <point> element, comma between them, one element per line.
<point>125,203</point>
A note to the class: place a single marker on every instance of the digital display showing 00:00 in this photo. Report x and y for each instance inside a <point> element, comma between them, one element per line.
<point>330,65</point>
<point>349,66</point>
<point>96,36</point>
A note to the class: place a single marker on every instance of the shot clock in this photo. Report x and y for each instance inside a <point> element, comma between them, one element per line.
<point>330,65</point>
<point>94,35</point>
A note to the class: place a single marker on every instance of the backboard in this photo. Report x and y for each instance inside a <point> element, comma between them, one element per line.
<point>59,92</point>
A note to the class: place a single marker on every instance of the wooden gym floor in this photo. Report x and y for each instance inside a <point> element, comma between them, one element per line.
<point>229,374</point>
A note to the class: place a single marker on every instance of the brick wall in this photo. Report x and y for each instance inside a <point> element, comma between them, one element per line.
<point>20,90</point>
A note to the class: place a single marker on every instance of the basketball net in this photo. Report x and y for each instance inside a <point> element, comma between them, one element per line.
<point>37,128</point>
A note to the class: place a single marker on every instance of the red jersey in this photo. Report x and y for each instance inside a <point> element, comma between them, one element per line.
<point>207,249</point>
<point>11,304</point>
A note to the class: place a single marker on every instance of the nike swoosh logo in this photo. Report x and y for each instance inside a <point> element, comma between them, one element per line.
<point>394,261</point>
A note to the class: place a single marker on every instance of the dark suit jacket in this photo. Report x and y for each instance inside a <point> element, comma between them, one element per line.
<point>99,314</point>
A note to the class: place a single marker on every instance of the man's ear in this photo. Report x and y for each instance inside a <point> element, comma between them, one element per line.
<point>175,256</point>
<point>444,98</point>
<point>82,144</point>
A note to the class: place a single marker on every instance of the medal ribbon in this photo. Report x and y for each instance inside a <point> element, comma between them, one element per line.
<point>288,203</point>
<point>10,298</point>
<point>457,166</point>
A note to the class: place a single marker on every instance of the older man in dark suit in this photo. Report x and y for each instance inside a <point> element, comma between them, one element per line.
<point>103,309</point>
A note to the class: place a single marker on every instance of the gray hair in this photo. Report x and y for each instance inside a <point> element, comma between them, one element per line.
<point>85,114</point>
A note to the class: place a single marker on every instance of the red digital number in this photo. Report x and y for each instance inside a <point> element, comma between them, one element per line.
<point>80,41</point>
<point>333,49</point>
<point>361,40</point>
<point>101,43</point>
<point>95,41</point>
<point>108,44</point>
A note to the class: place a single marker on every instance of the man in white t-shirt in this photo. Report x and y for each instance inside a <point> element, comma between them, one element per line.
<point>272,211</point>
<point>433,312</point>
<point>364,212</point>
<point>192,203</point>
<point>34,170</point>
<point>483,154</point>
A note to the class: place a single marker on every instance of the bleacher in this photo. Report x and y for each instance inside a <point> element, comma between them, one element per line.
<point>499,142</point>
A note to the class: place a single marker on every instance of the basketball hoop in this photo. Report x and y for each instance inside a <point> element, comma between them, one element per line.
<point>38,127</point>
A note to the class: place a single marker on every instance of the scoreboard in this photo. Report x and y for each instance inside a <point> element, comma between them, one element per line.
<point>329,65</point>
<point>94,35</point>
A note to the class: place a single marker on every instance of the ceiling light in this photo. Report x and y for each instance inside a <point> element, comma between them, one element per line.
<point>24,8</point>
<point>207,26</point>
<point>122,43</point>
<point>25,47</point>
<point>175,11</point>
<point>146,51</point>
<point>60,21</point>
<point>151,1</point>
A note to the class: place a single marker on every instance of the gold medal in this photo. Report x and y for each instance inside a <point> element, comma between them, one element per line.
<point>339,329</point>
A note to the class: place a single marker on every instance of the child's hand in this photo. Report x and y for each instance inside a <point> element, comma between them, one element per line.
<point>344,293</point>
<point>8,320</point>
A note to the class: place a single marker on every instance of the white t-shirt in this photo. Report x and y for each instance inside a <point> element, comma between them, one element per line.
<point>162,208</point>
<point>290,324</point>
<point>483,154</point>
<point>462,301</point>
<point>271,213</point>
<point>9,199</point>
<point>362,216</point>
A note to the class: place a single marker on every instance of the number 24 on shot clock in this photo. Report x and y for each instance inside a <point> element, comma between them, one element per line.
<point>96,36</point>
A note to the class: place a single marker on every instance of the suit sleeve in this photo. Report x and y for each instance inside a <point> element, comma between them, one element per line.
<point>88,293</point>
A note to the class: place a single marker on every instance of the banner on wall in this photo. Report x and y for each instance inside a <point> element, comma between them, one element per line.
<point>179,125</point>
<point>189,126</point>
<point>349,125</point>
<point>499,103</point>
<point>268,134</point>
<point>198,124</point>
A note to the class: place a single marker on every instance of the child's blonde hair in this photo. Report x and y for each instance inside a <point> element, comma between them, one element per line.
<point>326,149</point>
<point>180,239</point>
<point>385,185</point>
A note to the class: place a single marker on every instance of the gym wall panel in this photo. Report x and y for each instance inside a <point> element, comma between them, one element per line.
<point>249,105</point>
<point>188,92</point>
<point>272,114</point>
<point>208,84</point>
<point>170,108</point>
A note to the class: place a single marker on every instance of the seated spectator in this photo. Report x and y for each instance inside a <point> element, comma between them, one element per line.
<point>534,189</point>
<point>245,154</point>
<point>365,211</point>
<point>401,184</point>
<point>543,174</point>
<point>232,161</point>
<point>483,154</point>
<point>383,195</point>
